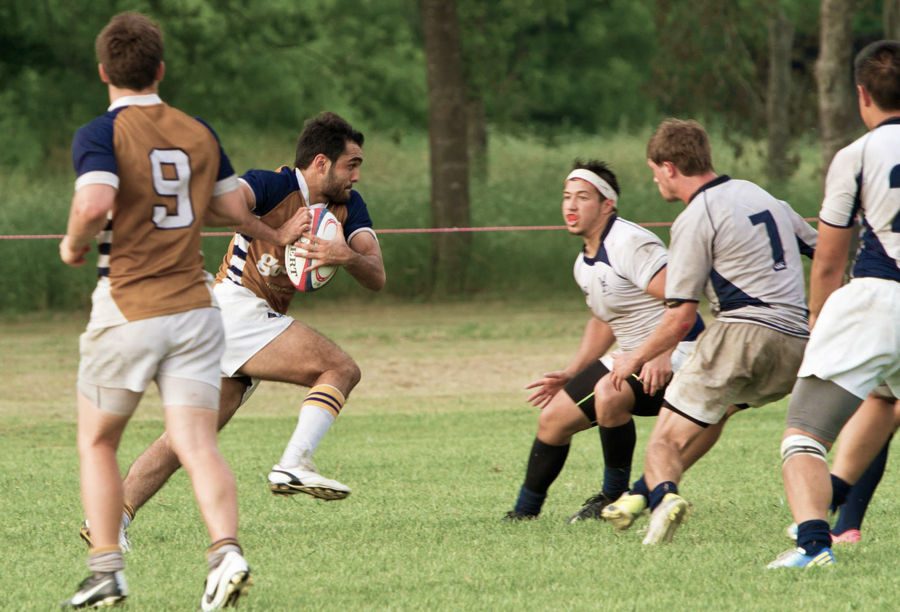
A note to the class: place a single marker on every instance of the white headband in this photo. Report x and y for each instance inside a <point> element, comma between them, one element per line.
<point>602,186</point>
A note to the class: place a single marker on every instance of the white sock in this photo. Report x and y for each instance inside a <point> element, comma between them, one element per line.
<point>320,408</point>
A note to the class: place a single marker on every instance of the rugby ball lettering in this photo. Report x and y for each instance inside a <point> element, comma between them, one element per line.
<point>323,225</point>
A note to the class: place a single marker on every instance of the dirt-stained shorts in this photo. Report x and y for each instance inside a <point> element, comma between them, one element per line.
<point>181,352</point>
<point>250,324</point>
<point>735,363</point>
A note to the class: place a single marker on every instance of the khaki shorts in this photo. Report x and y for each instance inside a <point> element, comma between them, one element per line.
<point>735,363</point>
<point>185,346</point>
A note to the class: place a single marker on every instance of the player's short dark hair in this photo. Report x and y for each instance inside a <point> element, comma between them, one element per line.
<point>328,134</point>
<point>877,69</point>
<point>601,169</point>
<point>130,48</point>
<point>684,143</point>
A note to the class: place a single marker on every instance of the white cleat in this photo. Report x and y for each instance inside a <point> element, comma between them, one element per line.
<point>227,583</point>
<point>666,519</point>
<point>302,479</point>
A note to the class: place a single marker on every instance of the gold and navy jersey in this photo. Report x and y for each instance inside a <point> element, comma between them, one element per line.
<point>166,167</point>
<point>258,265</point>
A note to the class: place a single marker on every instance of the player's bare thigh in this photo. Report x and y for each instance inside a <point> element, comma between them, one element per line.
<point>560,420</point>
<point>300,355</point>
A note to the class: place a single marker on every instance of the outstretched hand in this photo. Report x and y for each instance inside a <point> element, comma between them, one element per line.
<point>546,387</point>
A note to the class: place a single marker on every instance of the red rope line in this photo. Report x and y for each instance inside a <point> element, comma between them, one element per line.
<point>403,230</point>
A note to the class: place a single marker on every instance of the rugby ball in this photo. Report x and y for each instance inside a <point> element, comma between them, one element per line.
<point>323,225</point>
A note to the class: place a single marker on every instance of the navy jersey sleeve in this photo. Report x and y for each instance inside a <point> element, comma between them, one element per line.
<point>357,214</point>
<point>269,188</point>
<point>225,168</point>
<point>92,148</point>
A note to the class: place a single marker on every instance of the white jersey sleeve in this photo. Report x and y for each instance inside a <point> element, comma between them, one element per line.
<point>864,177</point>
<point>690,255</point>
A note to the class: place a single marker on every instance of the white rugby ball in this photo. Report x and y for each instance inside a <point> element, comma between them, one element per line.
<point>323,225</point>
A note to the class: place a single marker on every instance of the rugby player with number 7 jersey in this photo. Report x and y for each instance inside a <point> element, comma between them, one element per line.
<point>742,247</point>
<point>855,341</point>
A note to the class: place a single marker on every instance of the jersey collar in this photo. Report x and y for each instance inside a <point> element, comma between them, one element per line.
<point>713,183</point>
<point>601,250</point>
<point>144,100</point>
<point>889,121</point>
<point>304,188</point>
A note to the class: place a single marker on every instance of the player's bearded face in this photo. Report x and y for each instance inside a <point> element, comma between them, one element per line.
<point>342,174</point>
<point>337,187</point>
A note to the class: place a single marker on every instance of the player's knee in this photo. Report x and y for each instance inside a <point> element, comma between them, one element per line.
<point>801,444</point>
<point>612,407</point>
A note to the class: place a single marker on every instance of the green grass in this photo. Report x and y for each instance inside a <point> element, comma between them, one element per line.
<point>433,443</point>
<point>523,188</point>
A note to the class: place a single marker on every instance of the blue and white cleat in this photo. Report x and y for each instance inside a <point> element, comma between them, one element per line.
<point>797,557</point>
<point>791,532</point>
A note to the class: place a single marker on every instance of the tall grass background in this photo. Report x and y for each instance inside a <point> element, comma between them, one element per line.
<point>522,187</point>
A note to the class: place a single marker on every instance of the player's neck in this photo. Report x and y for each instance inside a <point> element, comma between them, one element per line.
<point>315,190</point>
<point>120,92</point>
<point>877,116</point>
<point>689,185</point>
<point>594,238</point>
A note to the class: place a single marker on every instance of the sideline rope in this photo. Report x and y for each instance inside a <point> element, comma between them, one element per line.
<point>403,230</point>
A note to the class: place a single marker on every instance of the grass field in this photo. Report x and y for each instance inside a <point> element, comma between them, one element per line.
<point>433,443</point>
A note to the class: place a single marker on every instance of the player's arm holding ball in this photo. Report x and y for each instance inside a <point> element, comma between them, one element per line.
<point>361,257</point>
<point>233,209</point>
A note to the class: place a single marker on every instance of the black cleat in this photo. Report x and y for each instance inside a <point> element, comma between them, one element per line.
<point>99,590</point>
<point>515,515</point>
<point>591,509</point>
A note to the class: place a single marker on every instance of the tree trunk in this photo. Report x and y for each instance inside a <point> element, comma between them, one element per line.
<point>778,117</point>
<point>478,139</point>
<point>837,112</point>
<point>892,19</point>
<point>447,137</point>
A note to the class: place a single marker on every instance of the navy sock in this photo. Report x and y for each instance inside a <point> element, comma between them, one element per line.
<point>854,509</point>
<point>813,536</point>
<point>618,447</point>
<point>544,464</point>
<point>639,487</point>
<point>530,502</point>
<point>839,490</point>
<point>660,491</point>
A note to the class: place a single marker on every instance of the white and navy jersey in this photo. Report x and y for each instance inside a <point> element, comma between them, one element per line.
<point>864,177</point>
<point>742,247</point>
<point>258,265</point>
<point>615,282</point>
<point>166,167</point>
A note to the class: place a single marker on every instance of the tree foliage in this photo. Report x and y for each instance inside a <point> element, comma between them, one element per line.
<point>548,67</point>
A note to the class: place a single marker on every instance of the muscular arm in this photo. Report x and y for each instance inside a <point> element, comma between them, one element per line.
<point>90,206</point>
<point>828,267</point>
<point>232,209</point>
<point>676,322</point>
<point>365,263</point>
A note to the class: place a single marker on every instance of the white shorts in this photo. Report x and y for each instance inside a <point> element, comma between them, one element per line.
<point>856,340</point>
<point>187,345</point>
<point>250,324</point>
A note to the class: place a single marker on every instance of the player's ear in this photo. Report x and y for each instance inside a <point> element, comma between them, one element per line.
<point>321,163</point>
<point>865,98</point>
<point>102,72</point>
<point>160,72</point>
<point>669,169</point>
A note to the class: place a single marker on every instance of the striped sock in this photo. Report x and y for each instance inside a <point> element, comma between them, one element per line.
<point>320,408</point>
<point>218,549</point>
